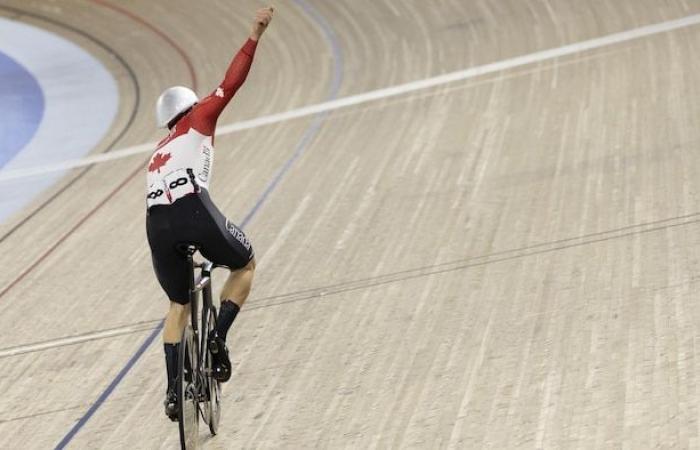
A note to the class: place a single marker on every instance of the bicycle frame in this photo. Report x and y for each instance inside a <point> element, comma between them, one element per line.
<point>200,284</point>
<point>203,389</point>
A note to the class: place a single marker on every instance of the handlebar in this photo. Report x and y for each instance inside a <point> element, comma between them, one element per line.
<point>201,283</point>
<point>205,277</point>
<point>208,266</point>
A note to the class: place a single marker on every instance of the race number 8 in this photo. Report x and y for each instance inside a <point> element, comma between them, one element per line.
<point>155,194</point>
<point>179,182</point>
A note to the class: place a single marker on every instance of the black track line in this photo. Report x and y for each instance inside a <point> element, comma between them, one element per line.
<point>125,129</point>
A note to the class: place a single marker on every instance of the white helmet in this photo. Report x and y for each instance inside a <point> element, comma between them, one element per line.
<point>172,102</point>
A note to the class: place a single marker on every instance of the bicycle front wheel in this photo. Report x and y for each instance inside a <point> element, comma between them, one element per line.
<point>214,387</point>
<point>188,413</point>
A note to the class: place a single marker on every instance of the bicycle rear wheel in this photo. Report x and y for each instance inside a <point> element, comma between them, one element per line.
<point>188,413</point>
<point>213,386</point>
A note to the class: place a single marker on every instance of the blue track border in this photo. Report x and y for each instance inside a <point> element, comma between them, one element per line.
<point>24,104</point>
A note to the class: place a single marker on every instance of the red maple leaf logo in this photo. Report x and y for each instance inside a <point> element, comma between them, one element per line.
<point>159,161</point>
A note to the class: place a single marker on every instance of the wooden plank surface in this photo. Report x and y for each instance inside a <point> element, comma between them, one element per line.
<point>509,261</point>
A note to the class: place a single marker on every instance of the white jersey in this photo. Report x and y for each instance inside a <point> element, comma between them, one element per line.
<point>181,166</point>
<point>183,161</point>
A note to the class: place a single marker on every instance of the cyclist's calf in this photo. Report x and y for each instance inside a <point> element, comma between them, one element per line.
<point>238,285</point>
<point>175,322</point>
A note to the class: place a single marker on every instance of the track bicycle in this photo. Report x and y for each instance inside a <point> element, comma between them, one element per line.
<point>199,394</point>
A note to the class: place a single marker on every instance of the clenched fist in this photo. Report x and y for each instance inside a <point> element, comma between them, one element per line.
<point>263,17</point>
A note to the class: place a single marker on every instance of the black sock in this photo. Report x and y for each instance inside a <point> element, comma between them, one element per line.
<point>172,352</point>
<point>227,314</point>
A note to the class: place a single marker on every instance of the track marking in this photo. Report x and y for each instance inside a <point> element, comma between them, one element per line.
<point>159,32</point>
<point>308,137</point>
<point>132,114</point>
<point>71,340</point>
<point>392,91</point>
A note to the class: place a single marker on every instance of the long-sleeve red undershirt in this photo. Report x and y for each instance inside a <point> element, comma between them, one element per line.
<point>205,113</point>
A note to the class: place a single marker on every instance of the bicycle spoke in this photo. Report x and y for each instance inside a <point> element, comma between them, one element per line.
<point>188,392</point>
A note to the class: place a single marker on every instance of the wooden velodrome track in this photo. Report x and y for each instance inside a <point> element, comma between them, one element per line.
<point>507,261</point>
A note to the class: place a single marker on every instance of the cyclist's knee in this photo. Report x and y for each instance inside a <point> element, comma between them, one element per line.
<point>177,309</point>
<point>246,270</point>
<point>175,322</point>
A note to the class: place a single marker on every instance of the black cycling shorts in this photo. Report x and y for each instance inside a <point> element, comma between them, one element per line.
<point>193,219</point>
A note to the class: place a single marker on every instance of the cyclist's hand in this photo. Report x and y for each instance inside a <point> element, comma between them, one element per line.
<point>263,17</point>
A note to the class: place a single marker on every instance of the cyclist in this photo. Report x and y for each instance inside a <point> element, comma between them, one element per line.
<point>180,211</point>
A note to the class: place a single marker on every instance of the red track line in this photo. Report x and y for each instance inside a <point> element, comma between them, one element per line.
<point>157,31</point>
<point>104,201</point>
<point>70,232</point>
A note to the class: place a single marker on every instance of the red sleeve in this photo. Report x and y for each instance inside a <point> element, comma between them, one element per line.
<point>206,112</point>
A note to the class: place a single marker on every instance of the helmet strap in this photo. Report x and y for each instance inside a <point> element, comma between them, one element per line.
<point>177,118</point>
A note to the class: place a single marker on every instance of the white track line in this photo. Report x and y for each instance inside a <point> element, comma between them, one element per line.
<point>60,342</point>
<point>378,94</point>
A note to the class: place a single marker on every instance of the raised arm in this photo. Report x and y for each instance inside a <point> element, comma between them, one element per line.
<point>207,111</point>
